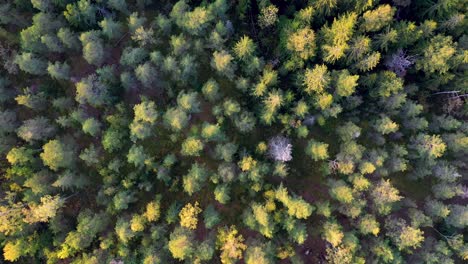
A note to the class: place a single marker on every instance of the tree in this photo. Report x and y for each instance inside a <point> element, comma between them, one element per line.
<point>180,243</point>
<point>437,55</point>
<point>133,56</point>
<point>59,70</point>
<point>332,233</point>
<point>153,210</point>
<point>189,215</point>
<point>374,20</point>
<point>176,118</point>
<point>222,62</point>
<point>317,150</point>
<point>337,37</point>
<point>194,179</point>
<point>119,5</point>
<point>91,90</point>
<point>93,52</point>
<point>192,147</point>
<point>12,251</point>
<point>244,48</point>
<point>340,191</point>
<point>44,211</point>
<point>231,244</point>
<point>81,13</point>
<point>210,216</point>
<point>226,151</point>
<point>279,148</point>
<point>245,122</point>
<point>188,102</point>
<point>146,112</point>
<point>221,193</point>
<point>123,231</point>
<point>427,146</point>
<point>384,195</point>
<point>146,74</point>
<point>268,16</point>
<point>57,154</point>
<point>32,64</point>
<point>346,83</point>
<point>20,155</point>
<point>403,236</point>
<point>111,29</point>
<point>68,38</point>
<point>137,156</point>
<point>137,223</point>
<point>144,36</point>
<point>91,126</point>
<point>302,43</point>
<point>368,225</point>
<point>258,253</point>
<point>316,80</point>
<point>211,90</point>
<point>36,129</point>
<point>385,125</point>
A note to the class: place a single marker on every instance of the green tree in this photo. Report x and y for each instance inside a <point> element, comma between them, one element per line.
<point>384,195</point>
<point>345,83</point>
<point>181,244</point>
<point>192,146</point>
<point>81,13</point>
<point>210,216</point>
<point>317,150</point>
<point>223,63</point>
<point>137,156</point>
<point>59,70</point>
<point>146,74</point>
<point>32,64</point>
<point>188,102</point>
<point>111,29</point>
<point>403,236</point>
<point>374,20</point>
<point>437,55</point>
<point>194,179</point>
<point>176,118</point>
<point>69,38</point>
<point>57,154</point>
<point>91,126</point>
<point>37,129</point>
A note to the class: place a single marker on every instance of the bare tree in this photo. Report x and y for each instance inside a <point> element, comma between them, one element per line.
<point>399,62</point>
<point>280,148</point>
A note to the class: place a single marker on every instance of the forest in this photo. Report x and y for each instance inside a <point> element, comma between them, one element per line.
<point>233,131</point>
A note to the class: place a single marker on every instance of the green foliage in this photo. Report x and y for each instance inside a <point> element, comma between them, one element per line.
<point>194,179</point>
<point>180,243</point>
<point>124,124</point>
<point>317,150</point>
<point>32,64</point>
<point>57,154</point>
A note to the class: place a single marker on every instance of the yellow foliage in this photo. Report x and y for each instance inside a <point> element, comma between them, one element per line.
<point>137,223</point>
<point>12,251</point>
<point>247,163</point>
<point>231,245</point>
<point>188,215</point>
<point>153,211</point>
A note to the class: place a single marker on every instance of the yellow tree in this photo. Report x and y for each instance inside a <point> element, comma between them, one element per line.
<point>189,215</point>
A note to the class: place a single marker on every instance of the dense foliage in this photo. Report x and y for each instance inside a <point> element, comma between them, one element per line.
<point>262,131</point>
